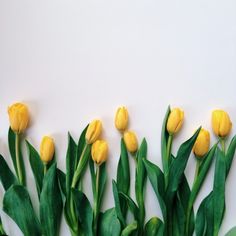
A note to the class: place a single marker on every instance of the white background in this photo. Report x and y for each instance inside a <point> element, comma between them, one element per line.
<point>73,61</point>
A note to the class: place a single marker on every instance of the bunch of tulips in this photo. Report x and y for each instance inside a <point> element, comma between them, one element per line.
<point>62,192</point>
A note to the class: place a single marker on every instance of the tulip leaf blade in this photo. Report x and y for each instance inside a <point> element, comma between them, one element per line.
<point>232,232</point>
<point>6,175</point>
<point>84,211</point>
<point>50,203</point>
<point>109,224</point>
<point>230,154</point>
<point>36,166</point>
<point>129,229</point>
<point>81,145</point>
<point>17,204</point>
<point>156,178</point>
<point>12,149</point>
<point>62,181</point>
<point>154,227</point>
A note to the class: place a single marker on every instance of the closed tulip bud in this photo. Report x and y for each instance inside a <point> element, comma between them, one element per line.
<point>47,149</point>
<point>221,123</point>
<point>202,143</point>
<point>175,121</point>
<point>18,117</point>
<point>99,151</point>
<point>93,132</point>
<point>131,141</point>
<point>121,119</point>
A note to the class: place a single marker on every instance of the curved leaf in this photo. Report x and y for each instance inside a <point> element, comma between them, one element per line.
<point>232,232</point>
<point>154,227</point>
<point>129,229</point>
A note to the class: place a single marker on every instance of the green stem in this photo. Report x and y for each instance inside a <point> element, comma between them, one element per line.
<point>96,200</point>
<point>79,168</point>
<point>168,158</point>
<point>45,168</point>
<point>17,150</point>
<point>2,231</point>
<point>222,142</point>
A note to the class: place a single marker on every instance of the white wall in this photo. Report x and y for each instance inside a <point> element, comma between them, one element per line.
<point>72,61</point>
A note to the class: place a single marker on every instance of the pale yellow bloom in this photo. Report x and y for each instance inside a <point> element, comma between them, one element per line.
<point>47,149</point>
<point>221,123</point>
<point>131,141</point>
<point>18,117</point>
<point>99,151</point>
<point>202,144</point>
<point>175,121</point>
<point>121,119</point>
<point>94,131</point>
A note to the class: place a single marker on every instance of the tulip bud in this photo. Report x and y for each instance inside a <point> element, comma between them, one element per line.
<point>99,151</point>
<point>47,149</point>
<point>18,117</point>
<point>221,123</point>
<point>202,143</point>
<point>121,119</point>
<point>93,132</point>
<point>131,141</point>
<point>175,121</point>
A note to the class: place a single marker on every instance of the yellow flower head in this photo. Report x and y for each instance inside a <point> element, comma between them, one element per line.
<point>99,151</point>
<point>47,149</point>
<point>94,131</point>
<point>175,121</point>
<point>202,144</point>
<point>221,123</point>
<point>18,117</point>
<point>121,119</point>
<point>131,141</point>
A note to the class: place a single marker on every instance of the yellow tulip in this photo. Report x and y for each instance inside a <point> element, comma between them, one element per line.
<point>131,141</point>
<point>202,144</point>
<point>175,121</point>
<point>121,119</point>
<point>47,149</point>
<point>18,117</point>
<point>99,151</point>
<point>93,132</point>
<point>221,123</point>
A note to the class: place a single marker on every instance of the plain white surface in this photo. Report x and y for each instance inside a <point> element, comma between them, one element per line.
<point>72,61</point>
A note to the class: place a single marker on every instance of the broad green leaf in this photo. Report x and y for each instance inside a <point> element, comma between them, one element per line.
<point>129,229</point>
<point>232,232</point>
<point>84,212</point>
<point>230,154</point>
<point>117,199</point>
<point>50,203</point>
<point>109,224</point>
<point>154,227</point>
<point>164,140</point>
<point>156,178</point>
<point>36,166</point>
<point>12,148</point>
<point>102,182</point>
<point>219,190</point>
<point>201,224</point>
<point>209,212</point>
<point>93,175</point>
<point>6,175</point>
<point>62,181</point>
<point>70,161</point>
<point>178,165</point>
<point>17,204</point>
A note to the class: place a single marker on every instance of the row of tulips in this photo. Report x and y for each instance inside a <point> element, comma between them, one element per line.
<point>58,191</point>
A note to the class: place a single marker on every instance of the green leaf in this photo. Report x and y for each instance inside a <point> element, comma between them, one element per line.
<point>129,229</point>
<point>200,224</point>
<point>164,140</point>
<point>109,224</point>
<point>102,182</point>
<point>140,179</point>
<point>6,175</point>
<point>156,178</point>
<point>17,204</point>
<point>93,175</point>
<point>219,190</point>
<point>62,181</point>
<point>154,227</point>
<point>230,154</point>
<point>84,212</point>
<point>36,166</point>
<point>232,232</point>
<point>70,161</point>
<point>50,203</point>
<point>12,144</point>
<point>178,165</point>
<point>117,199</point>
<point>209,212</point>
